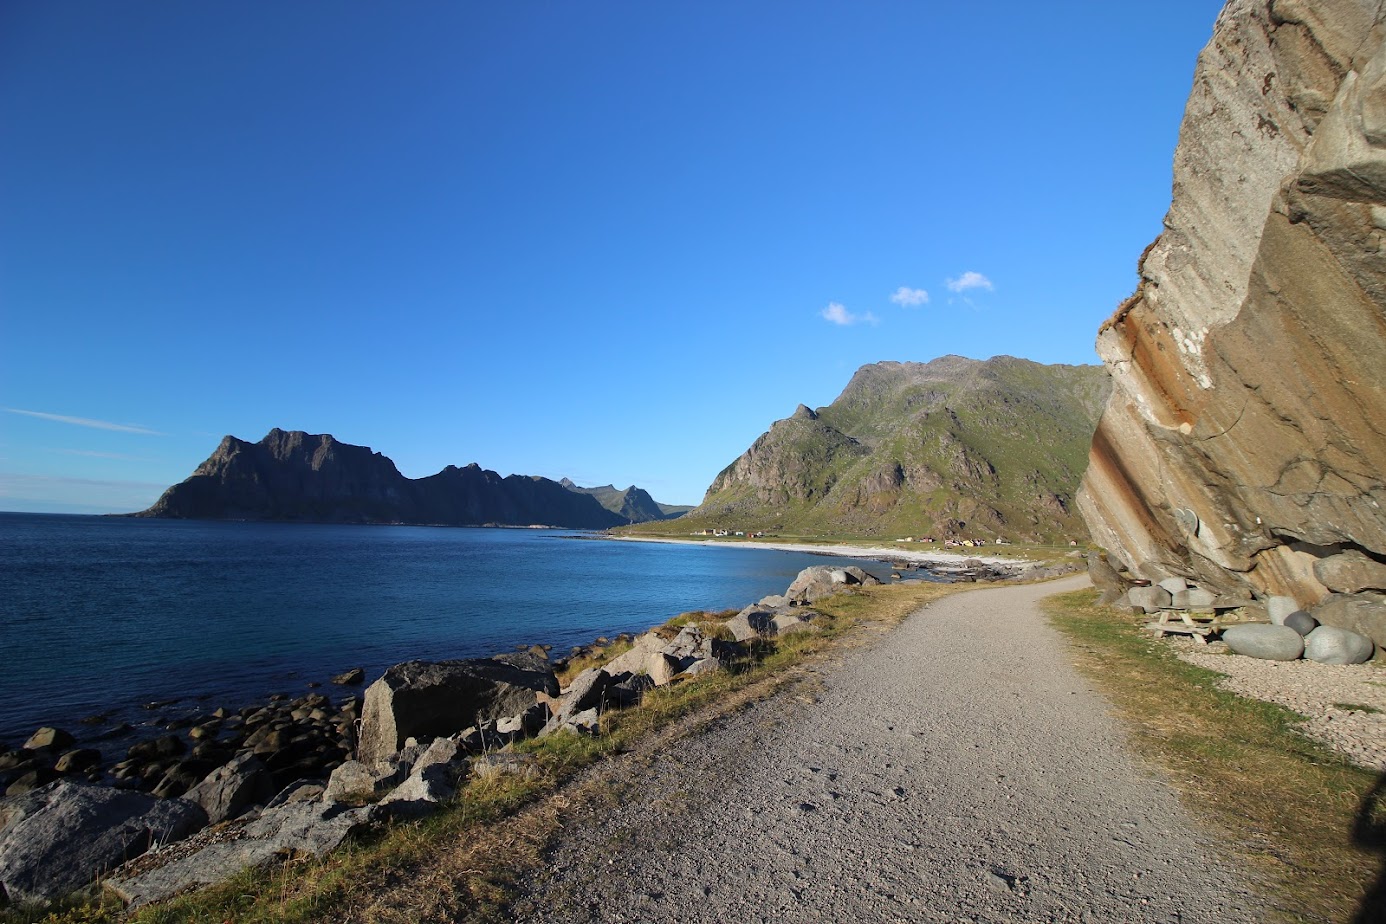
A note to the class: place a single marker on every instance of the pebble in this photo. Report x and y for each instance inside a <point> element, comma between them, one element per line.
<point>1312,690</point>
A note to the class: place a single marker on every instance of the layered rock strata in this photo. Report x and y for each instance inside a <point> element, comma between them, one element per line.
<point>1244,443</point>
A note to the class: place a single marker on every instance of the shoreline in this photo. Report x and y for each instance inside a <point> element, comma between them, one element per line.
<point>871,553</point>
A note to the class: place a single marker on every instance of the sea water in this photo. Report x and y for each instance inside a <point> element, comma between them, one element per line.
<point>107,614</point>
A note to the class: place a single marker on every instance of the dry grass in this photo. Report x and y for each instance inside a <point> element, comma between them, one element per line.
<point>1308,823</point>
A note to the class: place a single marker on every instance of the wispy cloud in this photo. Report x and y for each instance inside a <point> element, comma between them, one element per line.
<point>85,422</point>
<point>969,280</point>
<point>910,298</point>
<point>837,313</point>
<point>92,453</point>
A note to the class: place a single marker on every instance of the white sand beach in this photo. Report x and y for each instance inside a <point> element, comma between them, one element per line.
<point>894,552</point>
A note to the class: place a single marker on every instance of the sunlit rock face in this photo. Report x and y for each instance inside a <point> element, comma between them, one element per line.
<point>1244,442</point>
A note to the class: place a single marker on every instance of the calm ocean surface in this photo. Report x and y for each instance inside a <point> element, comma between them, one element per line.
<point>101,613</point>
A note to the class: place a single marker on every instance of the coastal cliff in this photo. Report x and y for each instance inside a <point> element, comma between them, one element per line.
<point>955,446</point>
<point>292,475</point>
<point>1244,442</point>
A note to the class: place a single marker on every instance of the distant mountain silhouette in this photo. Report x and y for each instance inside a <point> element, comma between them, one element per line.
<point>315,478</point>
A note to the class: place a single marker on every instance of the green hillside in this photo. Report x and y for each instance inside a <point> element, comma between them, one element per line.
<point>953,447</point>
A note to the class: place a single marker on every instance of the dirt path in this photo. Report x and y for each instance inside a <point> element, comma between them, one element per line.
<point>956,770</point>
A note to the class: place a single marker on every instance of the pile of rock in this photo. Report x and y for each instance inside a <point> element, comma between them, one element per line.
<point>1275,628</point>
<point>298,777</point>
<point>1293,633</point>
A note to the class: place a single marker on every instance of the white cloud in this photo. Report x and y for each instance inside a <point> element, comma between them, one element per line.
<point>969,280</point>
<point>910,298</point>
<point>85,422</point>
<point>838,314</point>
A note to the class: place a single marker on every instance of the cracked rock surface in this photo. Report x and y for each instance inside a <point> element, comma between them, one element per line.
<point>956,769</point>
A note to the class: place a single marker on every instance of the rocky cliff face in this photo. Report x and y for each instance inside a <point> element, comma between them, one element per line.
<point>633,505</point>
<point>312,477</point>
<point>1244,444</point>
<point>955,446</point>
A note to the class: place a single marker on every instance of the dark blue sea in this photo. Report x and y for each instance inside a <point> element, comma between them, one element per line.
<point>106,614</point>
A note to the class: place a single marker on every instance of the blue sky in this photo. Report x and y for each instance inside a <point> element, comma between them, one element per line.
<point>607,240</point>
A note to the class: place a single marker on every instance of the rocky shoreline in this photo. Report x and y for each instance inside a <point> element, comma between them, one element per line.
<point>221,790</point>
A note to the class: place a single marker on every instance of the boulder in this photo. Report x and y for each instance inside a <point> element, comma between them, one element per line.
<point>210,864</point>
<point>1350,572</point>
<point>1106,578</point>
<point>629,691</point>
<point>351,678</point>
<point>1331,645</point>
<point>1268,642</point>
<point>818,581</point>
<point>433,781</point>
<point>354,780</point>
<point>751,623</point>
<point>157,748</point>
<point>438,699</point>
<point>66,834</point>
<point>771,601</point>
<point>702,666</point>
<point>182,776</point>
<point>229,790</point>
<point>30,780</point>
<point>686,645</point>
<point>1193,598</point>
<point>529,722</point>
<point>49,738</point>
<point>1173,584</point>
<point>1364,614</point>
<point>309,828</point>
<point>1279,606</point>
<point>789,623</point>
<point>1301,622</point>
<point>1151,599</point>
<point>586,690</point>
<point>77,761</point>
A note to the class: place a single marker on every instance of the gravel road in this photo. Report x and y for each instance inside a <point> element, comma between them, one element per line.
<point>955,769</point>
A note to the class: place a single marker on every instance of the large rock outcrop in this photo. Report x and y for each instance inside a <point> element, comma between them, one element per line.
<point>1244,444</point>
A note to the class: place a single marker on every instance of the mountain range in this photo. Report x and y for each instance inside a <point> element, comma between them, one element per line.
<point>633,505</point>
<point>292,475</point>
<point>952,447</point>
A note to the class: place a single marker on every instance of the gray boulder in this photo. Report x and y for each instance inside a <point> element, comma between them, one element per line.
<point>309,828</point>
<point>818,581</point>
<point>355,780</point>
<point>702,666</point>
<point>1301,622</point>
<point>1193,598</point>
<point>1278,607</point>
<point>1350,573</point>
<point>231,789</point>
<point>1151,599</point>
<point>1268,642</point>
<point>432,782</point>
<point>790,623</point>
<point>65,834</point>
<point>438,699</point>
<point>1364,614</point>
<point>208,865</point>
<point>1331,645</point>
<point>751,623</point>
<point>1173,584</point>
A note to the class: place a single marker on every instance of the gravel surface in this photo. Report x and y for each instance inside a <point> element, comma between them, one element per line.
<point>1321,693</point>
<point>957,769</point>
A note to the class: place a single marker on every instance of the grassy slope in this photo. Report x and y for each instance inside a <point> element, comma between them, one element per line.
<point>1288,806</point>
<point>981,443</point>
